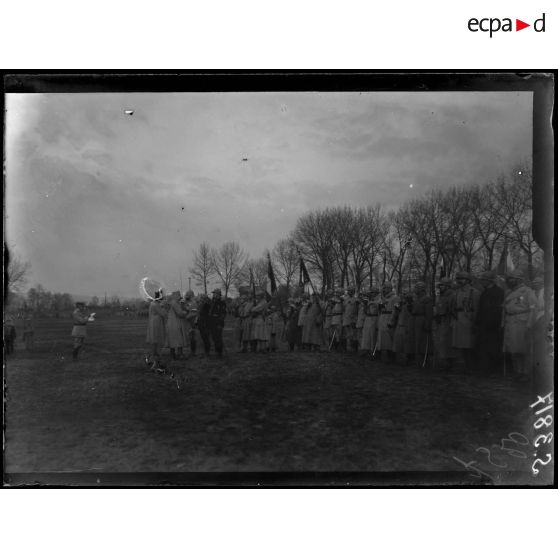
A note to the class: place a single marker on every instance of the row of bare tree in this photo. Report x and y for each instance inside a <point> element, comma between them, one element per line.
<point>463,228</point>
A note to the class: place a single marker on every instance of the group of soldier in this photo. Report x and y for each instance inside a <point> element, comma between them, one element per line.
<point>173,319</point>
<point>472,322</point>
<point>486,327</point>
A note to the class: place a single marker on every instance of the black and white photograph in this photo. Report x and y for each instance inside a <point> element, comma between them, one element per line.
<point>279,280</point>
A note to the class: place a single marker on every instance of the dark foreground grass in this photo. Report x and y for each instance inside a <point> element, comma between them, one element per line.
<point>247,412</point>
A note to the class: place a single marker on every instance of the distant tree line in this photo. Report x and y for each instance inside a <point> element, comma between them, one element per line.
<point>441,232</point>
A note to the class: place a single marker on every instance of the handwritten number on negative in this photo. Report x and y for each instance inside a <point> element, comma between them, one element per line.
<point>535,470</point>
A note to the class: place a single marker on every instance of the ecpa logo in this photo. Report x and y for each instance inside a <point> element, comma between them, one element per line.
<point>494,24</point>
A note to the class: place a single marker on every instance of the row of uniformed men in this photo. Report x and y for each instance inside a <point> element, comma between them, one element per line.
<point>478,325</point>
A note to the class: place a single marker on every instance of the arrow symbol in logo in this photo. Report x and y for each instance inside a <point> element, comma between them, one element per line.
<point>519,25</point>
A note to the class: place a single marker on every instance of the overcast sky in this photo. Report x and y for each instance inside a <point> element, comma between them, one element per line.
<point>97,199</point>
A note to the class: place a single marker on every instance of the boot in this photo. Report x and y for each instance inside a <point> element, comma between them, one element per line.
<point>193,346</point>
<point>75,354</point>
<point>173,354</point>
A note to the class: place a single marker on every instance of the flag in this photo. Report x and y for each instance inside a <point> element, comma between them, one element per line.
<point>506,263</point>
<point>271,275</point>
<point>304,278</point>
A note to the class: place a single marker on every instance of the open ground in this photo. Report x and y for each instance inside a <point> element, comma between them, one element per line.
<point>279,412</point>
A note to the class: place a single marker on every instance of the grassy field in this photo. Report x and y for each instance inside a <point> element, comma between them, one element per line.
<point>280,412</point>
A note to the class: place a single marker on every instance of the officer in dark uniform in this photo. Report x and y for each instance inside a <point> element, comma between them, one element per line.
<point>488,325</point>
<point>217,313</point>
<point>203,322</point>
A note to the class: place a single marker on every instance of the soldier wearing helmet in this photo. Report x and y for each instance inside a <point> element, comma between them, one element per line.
<point>336,320</point>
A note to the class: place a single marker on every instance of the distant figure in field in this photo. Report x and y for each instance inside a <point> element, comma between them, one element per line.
<point>28,332</point>
<point>156,324</point>
<point>9,335</point>
<point>79,331</point>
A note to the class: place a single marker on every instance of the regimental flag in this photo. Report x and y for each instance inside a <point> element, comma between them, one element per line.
<point>304,278</point>
<point>271,275</point>
<point>505,264</point>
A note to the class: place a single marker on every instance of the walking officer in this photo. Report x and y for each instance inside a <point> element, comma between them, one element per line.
<point>444,354</point>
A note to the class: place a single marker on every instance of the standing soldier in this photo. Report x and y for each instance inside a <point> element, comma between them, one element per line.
<point>350,312</point>
<point>246,316</point>
<point>275,327</point>
<point>540,362</point>
<point>464,318</point>
<point>314,321</point>
<point>488,325</point>
<point>291,333</point>
<point>190,308</point>
<point>403,329</point>
<point>156,336</point>
<point>28,331</point>
<point>387,321</point>
<point>370,324</point>
<point>216,321</point>
<point>203,323</point>
<point>422,315</point>
<point>336,320</point>
<point>518,317</point>
<point>258,322</point>
<point>302,319</point>
<point>442,321</point>
<point>238,321</point>
<point>361,314</point>
<point>175,330</point>
<point>79,332</point>
<point>328,313</point>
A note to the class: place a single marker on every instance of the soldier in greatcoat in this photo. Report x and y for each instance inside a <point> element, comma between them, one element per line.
<point>80,318</point>
<point>464,318</point>
<point>361,314</point>
<point>350,314</point>
<point>291,316</point>
<point>175,326</point>
<point>488,325</point>
<point>370,324</point>
<point>314,323</point>
<point>518,317</point>
<point>389,309</point>
<point>190,309</point>
<point>336,320</point>
<point>259,335</point>
<point>302,323</point>
<point>10,335</point>
<point>403,330</point>
<point>156,330</point>
<point>422,318</point>
<point>246,317</point>
<point>444,354</point>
